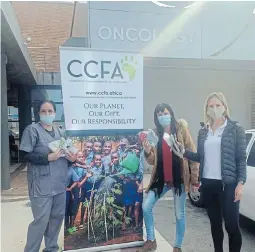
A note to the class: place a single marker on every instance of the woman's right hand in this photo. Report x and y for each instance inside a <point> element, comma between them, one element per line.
<point>147,147</point>
<point>55,155</point>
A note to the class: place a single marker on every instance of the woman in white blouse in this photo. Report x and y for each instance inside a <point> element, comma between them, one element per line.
<point>221,152</point>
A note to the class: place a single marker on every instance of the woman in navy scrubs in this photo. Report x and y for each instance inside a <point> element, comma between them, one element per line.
<point>47,175</point>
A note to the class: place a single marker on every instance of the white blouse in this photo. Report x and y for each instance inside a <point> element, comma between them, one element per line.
<point>212,158</point>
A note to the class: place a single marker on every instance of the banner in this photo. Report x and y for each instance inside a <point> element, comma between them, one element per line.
<point>102,91</point>
<point>104,196</point>
<point>103,108</point>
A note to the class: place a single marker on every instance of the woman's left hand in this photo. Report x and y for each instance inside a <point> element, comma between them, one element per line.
<point>195,188</point>
<point>238,192</point>
<point>181,147</point>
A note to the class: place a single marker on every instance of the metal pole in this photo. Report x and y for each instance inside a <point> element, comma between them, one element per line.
<point>74,8</point>
<point>5,150</point>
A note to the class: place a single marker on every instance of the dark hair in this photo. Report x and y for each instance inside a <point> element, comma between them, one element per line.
<point>107,141</point>
<point>97,141</point>
<point>115,152</point>
<point>96,154</point>
<point>46,101</point>
<point>176,161</point>
<point>161,108</point>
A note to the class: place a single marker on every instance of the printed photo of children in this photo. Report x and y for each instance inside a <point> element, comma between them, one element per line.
<point>104,192</point>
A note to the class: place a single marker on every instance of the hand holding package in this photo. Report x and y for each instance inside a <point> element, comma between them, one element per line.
<point>62,144</point>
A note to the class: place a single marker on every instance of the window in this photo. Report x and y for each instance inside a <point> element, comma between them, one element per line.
<point>13,126</point>
<point>42,93</point>
<point>248,138</point>
<point>251,158</point>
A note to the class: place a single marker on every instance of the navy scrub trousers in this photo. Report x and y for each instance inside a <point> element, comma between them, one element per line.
<point>47,189</point>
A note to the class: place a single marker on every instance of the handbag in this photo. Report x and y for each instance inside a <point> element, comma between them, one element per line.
<point>130,161</point>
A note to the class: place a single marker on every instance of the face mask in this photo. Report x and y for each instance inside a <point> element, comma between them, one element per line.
<point>164,120</point>
<point>47,119</point>
<point>216,113</point>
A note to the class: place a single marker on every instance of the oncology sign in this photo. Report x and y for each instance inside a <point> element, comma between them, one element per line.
<point>145,35</point>
<point>185,31</point>
<point>102,90</point>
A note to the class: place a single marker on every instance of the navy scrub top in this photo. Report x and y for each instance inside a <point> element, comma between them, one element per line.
<point>44,180</point>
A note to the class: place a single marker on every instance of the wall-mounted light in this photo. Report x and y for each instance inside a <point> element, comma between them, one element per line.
<point>190,5</point>
<point>163,5</point>
<point>172,6</point>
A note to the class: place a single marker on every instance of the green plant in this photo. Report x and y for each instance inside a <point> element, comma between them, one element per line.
<point>107,221</point>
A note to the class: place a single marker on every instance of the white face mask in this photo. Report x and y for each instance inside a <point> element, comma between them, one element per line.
<point>216,112</point>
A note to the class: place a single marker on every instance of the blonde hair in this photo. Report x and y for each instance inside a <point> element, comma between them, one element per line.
<point>220,96</point>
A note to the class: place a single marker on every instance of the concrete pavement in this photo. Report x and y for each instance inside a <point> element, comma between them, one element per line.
<point>198,234</point>
<point>16,216</point>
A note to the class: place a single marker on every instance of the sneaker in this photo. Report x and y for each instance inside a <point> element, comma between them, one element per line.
<point>177,250</point>
<point>148,246</point>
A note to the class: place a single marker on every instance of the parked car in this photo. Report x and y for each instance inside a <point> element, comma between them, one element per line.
<point>247,204</point>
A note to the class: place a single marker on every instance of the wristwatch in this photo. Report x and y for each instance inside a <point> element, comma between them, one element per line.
<point>241,182</point>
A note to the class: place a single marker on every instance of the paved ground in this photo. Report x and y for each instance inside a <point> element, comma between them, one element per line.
<point>16,215</point>
<point>198,237</point>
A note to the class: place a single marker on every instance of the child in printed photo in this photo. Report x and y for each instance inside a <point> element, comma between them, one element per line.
<point>88,152</point>
<point>97,147</point>
<point>89,184</point>
<point>107,149</point>
<point>79,166</point>
<point>72,199</point>
<point>81,169</point>
<point>123,144</point>
<point>115,166</point>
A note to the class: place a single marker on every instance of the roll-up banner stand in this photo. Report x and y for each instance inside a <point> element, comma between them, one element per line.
<point>103,108</point>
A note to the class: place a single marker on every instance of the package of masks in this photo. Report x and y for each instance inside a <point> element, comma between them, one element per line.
<point>63,144</point>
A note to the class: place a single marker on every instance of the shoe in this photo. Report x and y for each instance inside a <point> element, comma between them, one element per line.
<point>177,250</point>
<point>148,246</point>
<point>82,226</point>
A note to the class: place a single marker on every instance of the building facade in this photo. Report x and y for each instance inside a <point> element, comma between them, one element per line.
<point>190,50</point>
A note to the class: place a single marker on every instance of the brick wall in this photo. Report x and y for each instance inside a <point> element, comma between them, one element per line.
<point>48,24</point>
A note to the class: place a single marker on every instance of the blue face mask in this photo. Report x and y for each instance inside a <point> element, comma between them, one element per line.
<point>47,119</point>
<point>164,120</point>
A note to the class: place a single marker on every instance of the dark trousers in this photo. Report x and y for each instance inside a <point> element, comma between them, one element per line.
<point>76,200</point>
<point>72,204</point>
<point>219,202</point>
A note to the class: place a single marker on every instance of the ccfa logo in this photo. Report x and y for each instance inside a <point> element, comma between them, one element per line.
<point>102,69</point>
